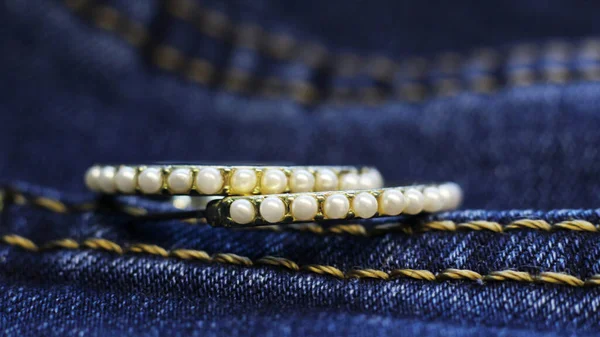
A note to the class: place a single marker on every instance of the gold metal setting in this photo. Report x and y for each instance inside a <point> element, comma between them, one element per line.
<point>107,185</point>
<point>218,212</point>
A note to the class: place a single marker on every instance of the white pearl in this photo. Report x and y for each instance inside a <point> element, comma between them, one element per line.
<point>106,180</point>
<point>336,206</point>
<point>304,208</point>
<point>243,181</point>
<point>273,181</point>
<point>209,181</point>
<point>91,178</point>
<point>150,180</point>
<point>350,181</point>
<point>272,209</point>
<point>414,201</point>
<point>391,202</point>
<point>364,205</point>
<point>326,180</point>
<point>302,181</point>
<point>242,211</point>
<point>371,179</point>
<point>433,200</point>
<point>180,180</point>
<point>451,194</point>
<point>125,179</point>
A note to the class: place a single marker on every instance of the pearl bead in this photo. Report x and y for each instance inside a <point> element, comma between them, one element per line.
<point>273,181</point>
<point>91,178</point>
<point>326,180</point>
<point>378,179</point>
<point>370,179</point>
<point>433,200</point>
<point>302,181</point>
<point>350,181</point>
<point>364,205</point>
<point>391,202</point>
<point>106,180</point>
<point>209,181</point>
<point>304,208</point>
<point>150,180</point>
<point>242,211</point>
<point>180,180</point>
<point>272,209</point>
<point>414,201</point>
<point>243,181</point>
<point>125,179</point>
<point>451,194</point>
<point>336,206</point>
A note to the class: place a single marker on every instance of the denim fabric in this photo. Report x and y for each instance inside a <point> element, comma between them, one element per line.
<point>77,91</point>
<point>142,294</point>
<point>499,96</point>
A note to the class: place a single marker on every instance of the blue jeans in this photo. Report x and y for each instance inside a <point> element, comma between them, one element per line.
<point>318,83</point>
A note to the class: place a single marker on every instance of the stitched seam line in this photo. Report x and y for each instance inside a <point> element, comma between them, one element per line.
<point>579,225</point>
<point>203,72</point>
<point>274,261</point>
<point>380,68</point>
<point>283,46</point>
<point>197,70</point>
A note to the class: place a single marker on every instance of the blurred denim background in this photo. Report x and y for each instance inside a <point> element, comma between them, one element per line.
<point>500,96</point>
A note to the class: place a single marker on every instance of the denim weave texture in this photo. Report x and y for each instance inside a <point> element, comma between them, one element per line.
<point>500,96</point>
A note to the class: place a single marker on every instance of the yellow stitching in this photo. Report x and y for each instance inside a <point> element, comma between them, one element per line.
<point>20,199</point>
<point>593,281</point>
<point>16,240</point>
<point>511,275</point>
<point>529,224</point>
<point>106,18</point>
<point>195,221</point>
<point>417,274</point>
<point>190,254</point>
<point>481,225</point>
<point>559,278</point>
<point>103,244</point>
<point>58,206</point>
<point>368,273</point>
<point>232,259</point>
<point>278,261</point>
<point>135,211</point>
<point>324,270</point>
<point>215,24</point>
<point>150,249</point>
<point>62,243</point>
<point>170,59</point>
<point>200,71</point>
<point>83,207</point>
<point>577,225</point>
<point>348,229</point>
<point>229,258</point>
<point>439,226</point>
<point>280,46</point>
<point>51,204</point>
<point>459,274</point>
